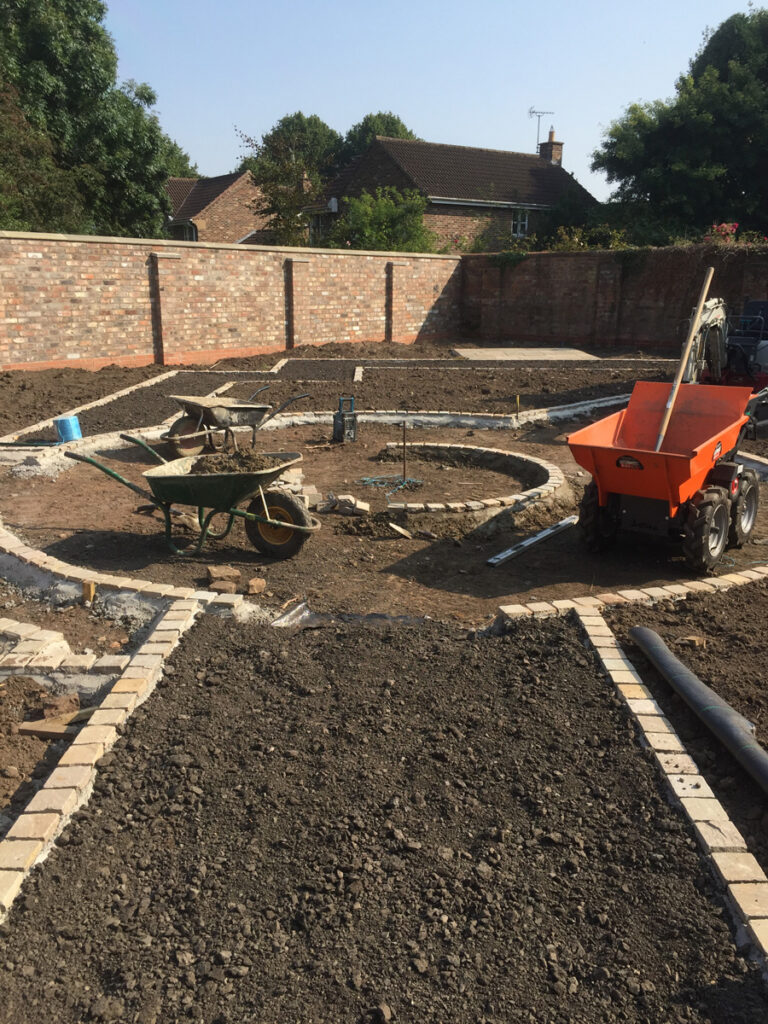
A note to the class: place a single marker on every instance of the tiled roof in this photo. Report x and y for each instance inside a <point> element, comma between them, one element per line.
<point>202,193</point>
<point>475,175</point>
<point>178,189</point>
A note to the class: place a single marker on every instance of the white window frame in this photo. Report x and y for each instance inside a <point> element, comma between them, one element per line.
<point>519,227</point>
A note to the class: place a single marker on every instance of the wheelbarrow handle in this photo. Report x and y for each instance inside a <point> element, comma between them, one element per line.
<point>258,391</point>
<point>115,476</point>
<point>144,445</point>
<point>285,405</point>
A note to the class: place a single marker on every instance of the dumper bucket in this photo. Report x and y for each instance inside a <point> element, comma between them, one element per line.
<point>618,451</point>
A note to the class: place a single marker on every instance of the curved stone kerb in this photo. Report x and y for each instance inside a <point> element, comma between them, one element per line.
<point>547,477</point>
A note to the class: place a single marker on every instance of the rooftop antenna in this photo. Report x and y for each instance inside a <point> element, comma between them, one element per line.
<point>538,114</point>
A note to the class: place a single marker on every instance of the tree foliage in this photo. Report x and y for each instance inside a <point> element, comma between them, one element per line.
<point>290,165</point>
<point>35,194</point>
<point>361,135</point>
<point>388,220</point>
<point>702,156</point>
<point>298,156</point>
<point>103,140</point>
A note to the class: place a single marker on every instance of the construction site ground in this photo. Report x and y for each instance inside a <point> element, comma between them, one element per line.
<point>368,821</point>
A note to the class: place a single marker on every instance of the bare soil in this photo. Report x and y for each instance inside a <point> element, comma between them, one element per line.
<point>459,831</point>
<point>403,823</point>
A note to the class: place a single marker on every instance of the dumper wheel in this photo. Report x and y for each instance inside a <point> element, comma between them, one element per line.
<point>706,529</point>
<point>180,443</point>
<point>744,510</point>
<point>277,541</point>
<point>598,524</point>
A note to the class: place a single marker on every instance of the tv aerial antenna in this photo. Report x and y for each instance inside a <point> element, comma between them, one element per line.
<point>538,114</point>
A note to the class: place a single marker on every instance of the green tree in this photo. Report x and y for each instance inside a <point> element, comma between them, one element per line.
<point>35,194</point>
<point>361,135</point>
<point>61,61</point>
<point>701,156</point>
<point>126,155</point>
<point>177,162</point>
<point>290,165</point>
<point>391,221</point>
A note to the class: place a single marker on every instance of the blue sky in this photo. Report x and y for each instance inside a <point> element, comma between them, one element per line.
<point>455,72</point>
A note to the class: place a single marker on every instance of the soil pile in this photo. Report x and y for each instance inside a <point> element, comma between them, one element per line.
<point>241,461</point>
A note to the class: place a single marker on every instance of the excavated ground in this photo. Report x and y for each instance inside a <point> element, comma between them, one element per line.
<point>400,823</point>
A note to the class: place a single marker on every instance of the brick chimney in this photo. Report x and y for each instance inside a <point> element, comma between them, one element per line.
<point>551,150</point>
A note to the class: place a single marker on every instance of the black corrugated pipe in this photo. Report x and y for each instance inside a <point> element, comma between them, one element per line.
<point>731,728</point>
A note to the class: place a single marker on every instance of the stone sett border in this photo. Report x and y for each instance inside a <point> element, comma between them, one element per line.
<point>70,784</point>
<point>743,880</point>
<point>489,458</point>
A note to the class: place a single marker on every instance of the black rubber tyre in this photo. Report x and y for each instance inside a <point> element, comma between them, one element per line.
<point>598,525</point>
<point>178,440</point>
<point>705,535</point>
<point>277,541</point>
<point>744,510</point>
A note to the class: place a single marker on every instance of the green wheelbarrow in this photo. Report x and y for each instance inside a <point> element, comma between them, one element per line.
<point>275,522</point>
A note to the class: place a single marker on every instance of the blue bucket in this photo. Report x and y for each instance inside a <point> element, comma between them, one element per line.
<point>68,428</point>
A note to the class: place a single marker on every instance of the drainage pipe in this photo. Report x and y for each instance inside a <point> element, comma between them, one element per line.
<point>731,728</point>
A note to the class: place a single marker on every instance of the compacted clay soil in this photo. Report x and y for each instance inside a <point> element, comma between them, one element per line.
<point>354,825</point>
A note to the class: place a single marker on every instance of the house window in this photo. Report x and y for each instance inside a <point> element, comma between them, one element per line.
<point>183,231</point>
<point>519,223</point>
<point>319,226</point>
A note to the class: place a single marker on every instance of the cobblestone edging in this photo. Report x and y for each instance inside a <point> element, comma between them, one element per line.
<point>744,883</point>
<point>69,786</point>
<point>488,458</point>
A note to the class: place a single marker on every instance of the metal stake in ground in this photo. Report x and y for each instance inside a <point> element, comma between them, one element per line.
<point>405,475</point>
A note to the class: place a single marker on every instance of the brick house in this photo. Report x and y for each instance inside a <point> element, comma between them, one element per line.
<point>472,194</point>
<point>215,209</point>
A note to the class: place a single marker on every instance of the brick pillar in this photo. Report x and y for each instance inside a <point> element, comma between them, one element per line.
<point>158,278</point>
<point>296,303</point>
<point>392,321</point>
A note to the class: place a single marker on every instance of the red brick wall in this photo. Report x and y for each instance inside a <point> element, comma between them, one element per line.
<point>604,299</point>
<point>458,227</point>
<point>77,301</point>
<point>229,217</point>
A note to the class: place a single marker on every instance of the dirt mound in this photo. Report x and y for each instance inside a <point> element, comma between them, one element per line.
<point>242,461</point>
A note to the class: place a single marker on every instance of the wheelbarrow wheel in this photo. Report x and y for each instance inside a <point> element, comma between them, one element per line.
<point>277,541</point>
<point>179,441</point>
<point>744,510</point>
<point>598,524</point>
<point>706,529</point>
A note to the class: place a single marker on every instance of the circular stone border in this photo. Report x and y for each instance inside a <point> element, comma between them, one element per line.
<point>487,458</point>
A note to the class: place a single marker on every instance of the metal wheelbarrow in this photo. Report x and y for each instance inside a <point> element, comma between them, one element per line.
<point>205,418</point>
<point>275,522</point>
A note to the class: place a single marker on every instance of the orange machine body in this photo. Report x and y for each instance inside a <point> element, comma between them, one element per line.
<point>618,451</point>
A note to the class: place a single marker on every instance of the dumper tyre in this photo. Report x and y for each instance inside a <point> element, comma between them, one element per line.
<point>744,510</point>
<point>598,524</point>
<point>180,442</point>
<point>707,524</point>
<point>277,541</point>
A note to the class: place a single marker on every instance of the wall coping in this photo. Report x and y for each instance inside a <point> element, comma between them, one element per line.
<point>156,243</point>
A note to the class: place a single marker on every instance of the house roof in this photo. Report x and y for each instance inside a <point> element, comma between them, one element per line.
<point>191,195</point>
<point>178,189</point>
<point>465,173</point>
